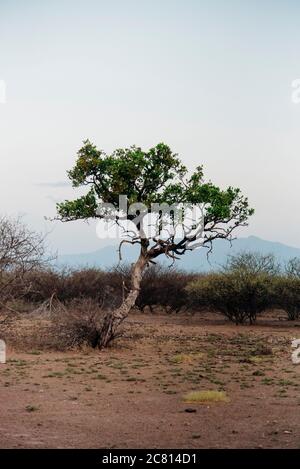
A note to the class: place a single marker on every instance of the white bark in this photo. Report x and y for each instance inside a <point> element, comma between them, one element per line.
<point>113,319</point>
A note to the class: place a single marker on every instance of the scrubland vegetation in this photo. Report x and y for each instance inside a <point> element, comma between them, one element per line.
<point>196,350</point>
<point>75,302</point>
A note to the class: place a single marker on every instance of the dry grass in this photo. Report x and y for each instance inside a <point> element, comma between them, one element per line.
<point>203,397</point>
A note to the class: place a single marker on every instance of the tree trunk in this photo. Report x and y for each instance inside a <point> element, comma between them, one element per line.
<point>113,319</point>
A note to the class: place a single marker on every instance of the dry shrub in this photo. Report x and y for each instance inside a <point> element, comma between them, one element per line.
<point>164,287</point>
<point>239,295</point>
<point>68,284</point>
<point>42,283</point>
<point>287,295</point>
<point>21,251</point>
<point>161,286</point>
<point>56,326</point>
<point>77,325</point>
<point>253,262</point>
<point>97,285</point>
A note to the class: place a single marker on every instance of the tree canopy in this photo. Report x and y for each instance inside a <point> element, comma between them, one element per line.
<point>148,177</point>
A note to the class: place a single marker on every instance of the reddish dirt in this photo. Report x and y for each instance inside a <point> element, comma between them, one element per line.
<point>131,395</point>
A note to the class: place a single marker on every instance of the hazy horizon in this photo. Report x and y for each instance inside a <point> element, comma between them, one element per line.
<point>212,80</point>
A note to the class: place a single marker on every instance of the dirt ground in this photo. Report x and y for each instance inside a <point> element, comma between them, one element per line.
<point>132,394</point>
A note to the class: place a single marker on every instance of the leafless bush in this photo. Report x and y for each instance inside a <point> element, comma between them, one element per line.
<point>21,251</point>
<point>164,287</point>
<point>252,263</point>
<point>52,325</point>
<point>105,288</point>
<point>292,268</point>
<point>77,325</point>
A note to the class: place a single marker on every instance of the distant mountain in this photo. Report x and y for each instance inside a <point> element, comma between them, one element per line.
<point>193,261</point>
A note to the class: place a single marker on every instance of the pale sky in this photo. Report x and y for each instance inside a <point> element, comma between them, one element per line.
<point>212,79</point>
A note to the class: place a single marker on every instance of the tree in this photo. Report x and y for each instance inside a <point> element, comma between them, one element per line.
<point>21,251</point>
<point>253,263</point>
<point>160,194</point>
<point>292,268</point>
<point>287,295</point>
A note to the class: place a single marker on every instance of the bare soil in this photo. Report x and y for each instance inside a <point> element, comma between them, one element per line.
<point>131,395</point>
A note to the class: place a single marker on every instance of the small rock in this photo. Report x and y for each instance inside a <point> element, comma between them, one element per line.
<point>189,410</point>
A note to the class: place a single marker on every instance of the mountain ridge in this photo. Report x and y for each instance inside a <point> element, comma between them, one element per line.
<point>196,260</point>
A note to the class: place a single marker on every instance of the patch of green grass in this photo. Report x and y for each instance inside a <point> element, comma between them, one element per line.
<point>17,362</point>
<point>217,381</point>
<point>117,365</point>
<point>140,364</point>
<point>245,386</point>
<point>55,374</point>
<point>212,338</point>
<point>256,359</point>
<point>72,371</point>
<point>286,382</point>
<point>186,357</point>
<point>133,379</point>
<point>99,376</point>
<point>267,381</point>
<point>282,391</point>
